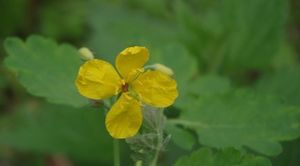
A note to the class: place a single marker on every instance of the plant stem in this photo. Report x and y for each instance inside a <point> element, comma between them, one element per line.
<point>116,153</point>
<point>160,121</point>
<point>154,161</point>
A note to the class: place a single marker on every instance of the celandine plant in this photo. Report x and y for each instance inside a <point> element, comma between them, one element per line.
<point>139,91</point>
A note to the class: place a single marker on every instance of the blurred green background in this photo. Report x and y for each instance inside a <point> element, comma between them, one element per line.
<point>228,56</point>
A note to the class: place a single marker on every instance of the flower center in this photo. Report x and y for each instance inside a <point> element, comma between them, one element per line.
<point>125,87</point>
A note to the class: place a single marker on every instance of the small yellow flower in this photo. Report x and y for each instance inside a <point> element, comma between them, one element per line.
<point>97,79</point>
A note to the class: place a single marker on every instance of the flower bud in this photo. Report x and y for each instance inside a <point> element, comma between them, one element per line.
<point>86,54</point>
<point>162,68</point>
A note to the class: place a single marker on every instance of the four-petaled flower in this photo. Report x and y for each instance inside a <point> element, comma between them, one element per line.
<point>97,79</point>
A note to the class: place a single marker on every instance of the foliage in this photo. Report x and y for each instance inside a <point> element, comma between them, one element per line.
<point>71,25</point>
<point>13,16</point>
<point>45,69</point>
<point>230,36</point>
<point>47,128</point>
<point>277,84</point>
<point>236,63</point>
<point>226,157</point>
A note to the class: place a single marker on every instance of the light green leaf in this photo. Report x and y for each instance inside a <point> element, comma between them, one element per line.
<point>208,85</point>
<point>283,83</point>
<point>45,128</point>
<point>226,157</point>
<point>242,119</point>
<point>204,85</point>
<point>45,69</point>
<point>285,57</point>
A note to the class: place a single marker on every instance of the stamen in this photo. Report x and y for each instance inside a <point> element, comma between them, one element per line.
<point>125,87</point>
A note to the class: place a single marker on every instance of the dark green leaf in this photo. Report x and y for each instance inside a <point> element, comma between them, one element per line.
<point>155,7</point>
<point>13,16</point>
<point>226,157</point>
<point>58,129</point>
<point>234,35</point>
<point>289,156</point>
<point>71,25</point>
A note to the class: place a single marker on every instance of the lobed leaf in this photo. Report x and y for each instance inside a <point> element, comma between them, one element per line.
<point>239,118</point>
<point>45,69</point>
<point>284,83</point>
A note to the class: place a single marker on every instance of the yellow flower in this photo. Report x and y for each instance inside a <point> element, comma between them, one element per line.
<point>97,79</point>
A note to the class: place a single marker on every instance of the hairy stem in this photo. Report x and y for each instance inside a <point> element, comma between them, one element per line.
<point>158,148</point>
<point>159,133</point>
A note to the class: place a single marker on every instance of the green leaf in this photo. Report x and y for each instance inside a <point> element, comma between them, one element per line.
<point>256,30</point>
<point>286,57</point>
<point>2,82</point>
<point>226,157</point>
<point>71,25</point>
<point>284,83</point>
<point>45,128</point>
<point>155,7</point>
<point>2,85</point>
<point>242,119</point>
<point>181,137</point>
<point>289,156</point>
<point>234,35</point>
<point>203,86</point>
<point>114,31</point>
<point>45,69</point>
<point>13,16</point>
<point>208,85</point>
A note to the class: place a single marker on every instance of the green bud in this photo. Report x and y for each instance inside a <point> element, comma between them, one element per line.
<point>86,54</point>
<point>162,68</point>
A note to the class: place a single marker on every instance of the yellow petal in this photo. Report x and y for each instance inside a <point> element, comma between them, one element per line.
<point>156,88</point>
<point>97,79</point>
<point>130,61</point>
<point>124,119</point>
